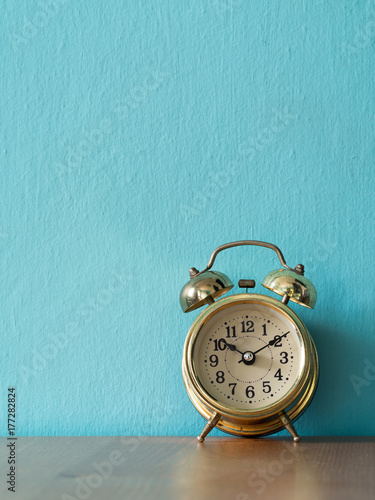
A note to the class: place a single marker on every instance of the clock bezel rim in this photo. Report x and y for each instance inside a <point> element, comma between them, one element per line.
<point>229,411</point>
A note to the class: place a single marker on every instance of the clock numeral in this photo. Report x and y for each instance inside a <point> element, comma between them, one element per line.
<point>220,345</point>
<point>264,329</point>
<point>266,387</point>
<point>233,388</point>
<point>220,377</point>
<point>284,358</point>
<point>250,392</point>
<point>228,329</point>
<point>249,326</point>
<point>214,360</point>
<point>278,374</point>
<point>277,340</point>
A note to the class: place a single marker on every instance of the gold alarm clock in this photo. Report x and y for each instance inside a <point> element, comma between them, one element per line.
<point>249,364</point>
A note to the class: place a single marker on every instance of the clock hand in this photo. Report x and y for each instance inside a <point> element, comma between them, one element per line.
<point>232,347</point>
<point>249,357</point>
<point>272,342</point>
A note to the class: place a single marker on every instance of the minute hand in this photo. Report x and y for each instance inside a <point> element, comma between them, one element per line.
<point>272,342</point>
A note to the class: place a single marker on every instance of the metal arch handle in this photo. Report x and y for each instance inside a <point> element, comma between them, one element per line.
<point>246,242</point>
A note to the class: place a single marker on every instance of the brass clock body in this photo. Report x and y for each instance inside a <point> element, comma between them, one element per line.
<point>249,364</point>
<point>244,419</point>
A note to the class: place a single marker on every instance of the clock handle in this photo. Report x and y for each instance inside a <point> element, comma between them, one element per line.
<point>248,242</point>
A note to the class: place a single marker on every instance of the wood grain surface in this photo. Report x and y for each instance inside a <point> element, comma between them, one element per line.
<point>180,468</point>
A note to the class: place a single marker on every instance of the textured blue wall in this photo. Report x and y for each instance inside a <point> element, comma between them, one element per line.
<point>137,137</point>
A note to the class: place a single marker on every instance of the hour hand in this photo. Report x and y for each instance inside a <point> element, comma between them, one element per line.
<point>232,347</point>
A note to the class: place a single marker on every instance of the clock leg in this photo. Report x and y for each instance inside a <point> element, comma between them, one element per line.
<point>287,423</point>
<point>211,422</point>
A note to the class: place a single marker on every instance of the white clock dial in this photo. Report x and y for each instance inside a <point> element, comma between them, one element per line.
<point>248,356</point>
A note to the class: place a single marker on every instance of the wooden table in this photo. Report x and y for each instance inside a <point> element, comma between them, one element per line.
<point>179,468</point>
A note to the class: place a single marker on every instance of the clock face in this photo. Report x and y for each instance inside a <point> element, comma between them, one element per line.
<point>248,356</point>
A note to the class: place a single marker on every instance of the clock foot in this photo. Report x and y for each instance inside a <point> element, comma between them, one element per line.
<point>287,423</point>
<point>211,422</point>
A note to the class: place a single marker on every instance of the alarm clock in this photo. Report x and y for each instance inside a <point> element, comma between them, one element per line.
<point>249,366</point>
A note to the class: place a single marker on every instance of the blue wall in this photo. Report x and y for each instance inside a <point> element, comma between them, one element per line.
<point>137,137</point>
